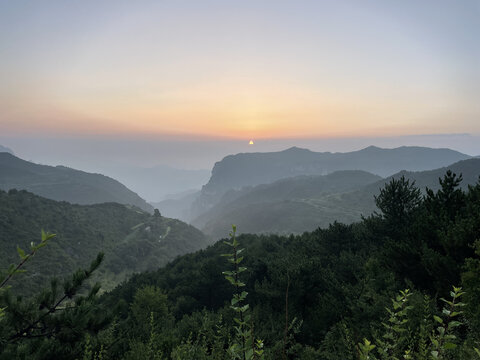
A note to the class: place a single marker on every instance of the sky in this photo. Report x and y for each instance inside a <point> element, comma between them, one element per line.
<point>188,81</point>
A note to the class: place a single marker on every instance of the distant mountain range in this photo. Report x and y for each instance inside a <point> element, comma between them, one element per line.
<point>299,204</point>
<point>64,184</point>
<point>250,169</point>
<point>133,240</point>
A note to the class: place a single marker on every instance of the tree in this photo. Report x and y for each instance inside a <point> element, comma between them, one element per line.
<point>398,200</point>
<point>54,323</point>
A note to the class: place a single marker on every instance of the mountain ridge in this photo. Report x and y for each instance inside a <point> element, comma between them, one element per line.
<point>62,183</point>
<point>255,211</point>
<point>251,169</point>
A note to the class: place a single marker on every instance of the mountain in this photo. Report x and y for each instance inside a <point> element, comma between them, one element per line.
<point>158,183</point>
<point>302,204</point>
<point>65,184</point>
<point>5,149</point>
<point>132,240</point>
<point>250,169</point>
<point>287,205</point>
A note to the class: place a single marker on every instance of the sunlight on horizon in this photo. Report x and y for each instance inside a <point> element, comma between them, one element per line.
<point>236,71</point>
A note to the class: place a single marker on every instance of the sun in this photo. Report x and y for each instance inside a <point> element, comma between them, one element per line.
<point>251,142</point>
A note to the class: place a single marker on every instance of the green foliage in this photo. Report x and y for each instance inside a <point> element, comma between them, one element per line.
<point>397,342</point>
<point>134,241</point>
<point>395,338</point>
<point>246,347</point>
<point>52,324</point>
<point>398,199</point>
<point>13,269</point>
<point>365,349</point>
<point>337,282</point>
<point>340,285</point>
<point>444,339</point>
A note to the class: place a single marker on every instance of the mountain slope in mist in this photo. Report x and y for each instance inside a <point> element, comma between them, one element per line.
<point>250,169</point>
<point>289,206</point>
<point>64,184</point>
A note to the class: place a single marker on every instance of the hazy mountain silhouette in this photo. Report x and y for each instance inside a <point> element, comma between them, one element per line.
<point>250,169</point>
<point>64,184</point>
<point>302,204</point>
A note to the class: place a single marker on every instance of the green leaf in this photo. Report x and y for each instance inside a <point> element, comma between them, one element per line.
<point>438,319</point>
<point>231,279</point>
<point>446,301</point>
<point>449,346</point>
<point>42,244</point>
<point>454,324</point>
<point>21,253</point>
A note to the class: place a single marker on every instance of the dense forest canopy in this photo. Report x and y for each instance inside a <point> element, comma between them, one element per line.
<point>319,295</point>
<point>133,240</point>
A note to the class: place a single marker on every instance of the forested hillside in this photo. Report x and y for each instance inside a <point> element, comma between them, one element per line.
<point>325,294</point>
<point>132,240</point>
<point>299,204</point>
<point>291,205</point>
<point>334,285</point>
<point>64,184</point>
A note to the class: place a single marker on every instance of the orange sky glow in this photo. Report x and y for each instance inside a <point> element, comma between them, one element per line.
<point>249,71</point>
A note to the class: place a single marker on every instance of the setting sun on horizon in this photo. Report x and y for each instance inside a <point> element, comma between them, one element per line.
<point>237,71</point>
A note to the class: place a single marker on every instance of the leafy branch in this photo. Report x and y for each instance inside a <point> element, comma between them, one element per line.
<point>12,270</point>
<point>246,347</point>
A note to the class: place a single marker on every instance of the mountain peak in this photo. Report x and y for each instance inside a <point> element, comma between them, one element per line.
<point>296,149</point>
<point>372,148</point>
